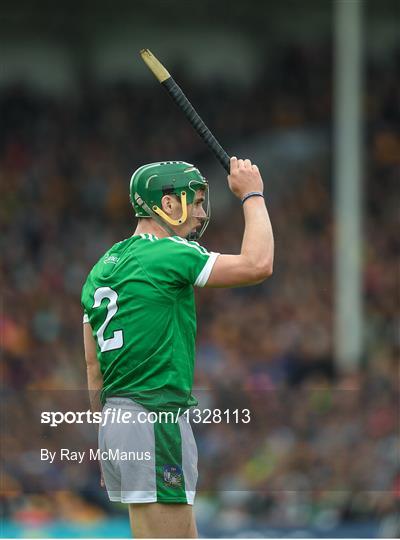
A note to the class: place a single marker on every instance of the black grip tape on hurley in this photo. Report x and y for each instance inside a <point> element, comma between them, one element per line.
<point>187,108</point>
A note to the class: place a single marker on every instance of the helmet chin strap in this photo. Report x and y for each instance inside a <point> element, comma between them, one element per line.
<point>165,221</point>
<point>168,219</point>
<point>156,218</point>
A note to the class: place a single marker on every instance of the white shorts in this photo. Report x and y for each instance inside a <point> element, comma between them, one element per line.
<point>144,459</point>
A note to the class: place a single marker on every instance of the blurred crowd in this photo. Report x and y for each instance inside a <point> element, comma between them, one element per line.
<point>322,447</point>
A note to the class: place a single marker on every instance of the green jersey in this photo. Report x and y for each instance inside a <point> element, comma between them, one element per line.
<point>139,301</point>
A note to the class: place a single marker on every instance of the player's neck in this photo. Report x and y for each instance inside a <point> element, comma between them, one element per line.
<point>149,226</point>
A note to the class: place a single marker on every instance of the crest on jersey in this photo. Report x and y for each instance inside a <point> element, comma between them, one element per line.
<point>172,476</point>
<point>111,259</point>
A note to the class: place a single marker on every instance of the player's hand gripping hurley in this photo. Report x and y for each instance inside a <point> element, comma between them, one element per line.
<point>186,107</point>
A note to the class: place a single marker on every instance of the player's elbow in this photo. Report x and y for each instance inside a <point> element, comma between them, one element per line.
<point>263,270</point>
<point>269,270</point>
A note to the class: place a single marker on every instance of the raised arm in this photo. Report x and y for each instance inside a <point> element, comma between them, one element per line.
<point>255,262</point>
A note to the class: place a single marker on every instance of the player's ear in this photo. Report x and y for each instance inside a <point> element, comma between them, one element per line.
<point>166,204</point>
<point>169,204</point>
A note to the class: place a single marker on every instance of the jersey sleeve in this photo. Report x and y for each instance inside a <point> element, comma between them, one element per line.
<point>186,262</point>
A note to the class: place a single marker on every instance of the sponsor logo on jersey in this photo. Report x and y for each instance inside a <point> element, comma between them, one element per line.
<point>111,259</point>
<point>172,476</point>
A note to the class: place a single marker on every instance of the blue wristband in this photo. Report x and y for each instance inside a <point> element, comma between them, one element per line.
<point>252,194</point>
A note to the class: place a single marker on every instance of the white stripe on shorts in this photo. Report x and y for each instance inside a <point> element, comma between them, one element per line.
<point>189,458</point>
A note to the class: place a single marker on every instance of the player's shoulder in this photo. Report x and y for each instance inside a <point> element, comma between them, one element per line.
<point>169,251</point>
<point>178,244</point>
<point>174,243</point>
<point>170,243</point>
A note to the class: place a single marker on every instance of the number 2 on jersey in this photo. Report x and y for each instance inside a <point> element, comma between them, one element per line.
<point>117,339</point>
